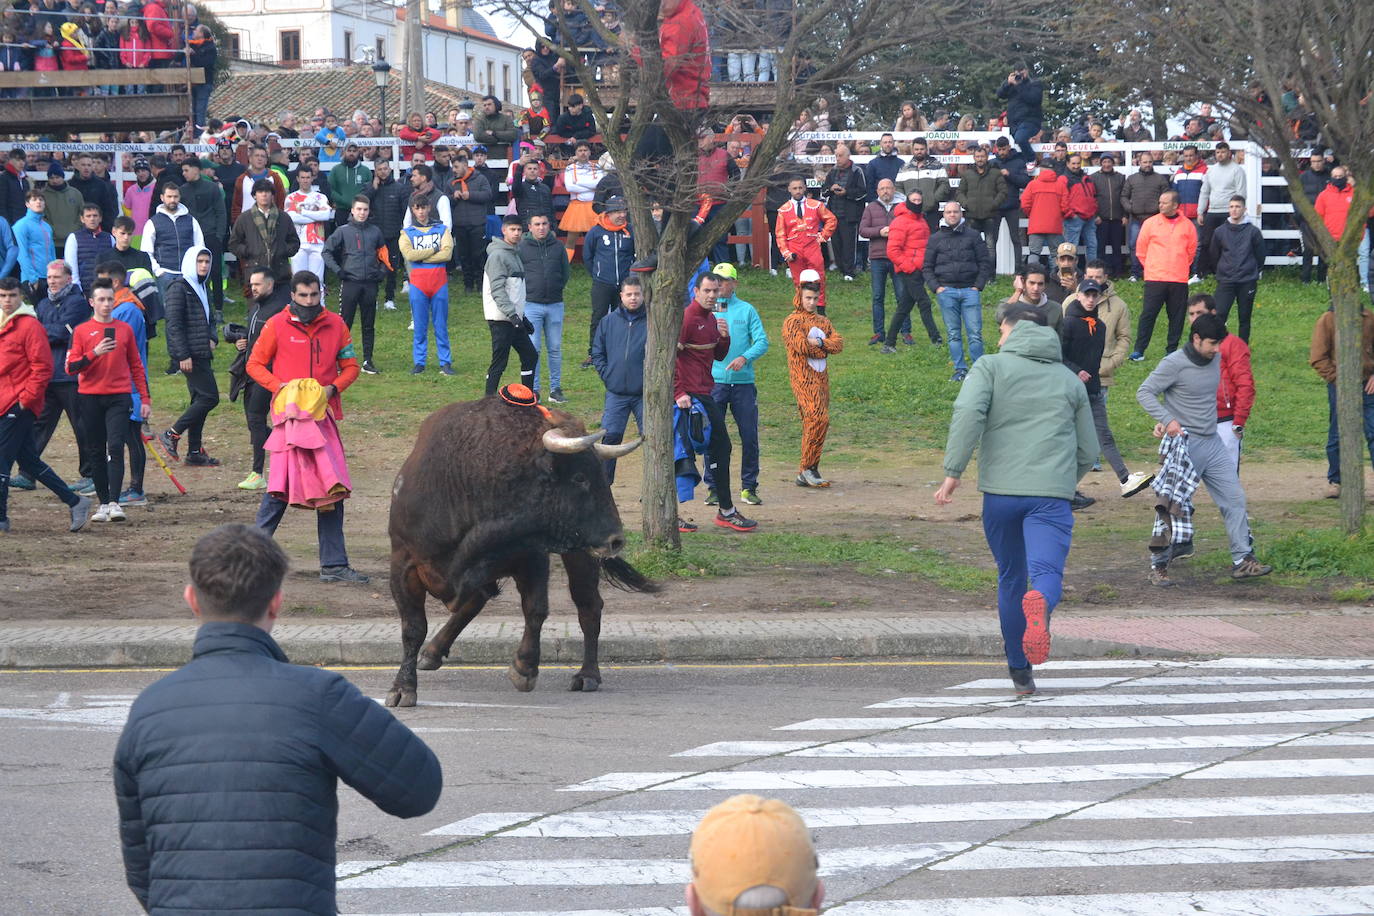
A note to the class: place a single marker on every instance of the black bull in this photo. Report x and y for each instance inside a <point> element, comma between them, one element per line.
<point>489,491</point>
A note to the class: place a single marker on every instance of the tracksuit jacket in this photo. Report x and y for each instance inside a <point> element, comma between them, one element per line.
<point>427,249</point>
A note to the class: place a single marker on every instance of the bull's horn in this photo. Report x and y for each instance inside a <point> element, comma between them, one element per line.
<point>560,444</point>
<point>605,452</point>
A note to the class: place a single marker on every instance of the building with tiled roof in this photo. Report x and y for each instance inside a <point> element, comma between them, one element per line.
<point>461,48</point>
<point>263,95</point>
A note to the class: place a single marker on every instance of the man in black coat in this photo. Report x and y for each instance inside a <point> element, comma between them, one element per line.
<point>847,193</point>
<point>957,267</point>
<point>1025,95</point>
<point>96,190</point>
<point>228,769</point>
<point>389,199</point>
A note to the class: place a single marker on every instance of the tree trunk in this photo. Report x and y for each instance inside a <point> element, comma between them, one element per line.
<point>1348,301</point>
<point>660,356</point>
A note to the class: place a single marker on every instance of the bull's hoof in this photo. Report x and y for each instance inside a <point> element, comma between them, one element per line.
<point>400,696</point>
<point>586,683</point>
<point>429,661</point>
<point>523,682</point>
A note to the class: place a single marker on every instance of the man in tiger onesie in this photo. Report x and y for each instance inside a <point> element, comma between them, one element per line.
<point>809,339</point>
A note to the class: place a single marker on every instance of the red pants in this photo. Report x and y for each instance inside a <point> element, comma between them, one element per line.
<point>809,257</point>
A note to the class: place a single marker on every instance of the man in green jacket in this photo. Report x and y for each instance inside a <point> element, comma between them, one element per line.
<point>734,382</point>
<point>1029,418</point>
<point>347,179</point>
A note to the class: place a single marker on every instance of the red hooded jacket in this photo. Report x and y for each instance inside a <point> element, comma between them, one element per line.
<point>25,361</point>
<point>686,54</point>
<point>164,37</point>
<point>1082,197</point>
<point>906,240</point>
<point>1236,393</point>
<point>1046,202</point>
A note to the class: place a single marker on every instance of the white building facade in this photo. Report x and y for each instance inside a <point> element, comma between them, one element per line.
<point>461,47</point>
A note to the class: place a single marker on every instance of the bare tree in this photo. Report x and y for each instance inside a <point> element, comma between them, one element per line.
<point>652,132</point>
<point>1245,57</point>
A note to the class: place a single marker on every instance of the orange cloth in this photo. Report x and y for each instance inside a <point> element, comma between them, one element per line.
<point>1166,247</point>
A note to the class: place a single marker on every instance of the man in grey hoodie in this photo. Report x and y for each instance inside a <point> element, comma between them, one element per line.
<point>503,305</point>
<point>1181,394</point>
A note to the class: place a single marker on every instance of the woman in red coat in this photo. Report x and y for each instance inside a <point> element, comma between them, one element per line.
<point>906,247</point>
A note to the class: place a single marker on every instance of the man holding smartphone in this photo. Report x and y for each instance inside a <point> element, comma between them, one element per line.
<point>104,358</point>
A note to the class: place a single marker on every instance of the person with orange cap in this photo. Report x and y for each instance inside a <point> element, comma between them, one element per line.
<point>753,855</point>
<point>810,339</point>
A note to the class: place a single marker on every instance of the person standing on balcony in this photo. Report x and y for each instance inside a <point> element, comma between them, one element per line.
<point>203,53</point>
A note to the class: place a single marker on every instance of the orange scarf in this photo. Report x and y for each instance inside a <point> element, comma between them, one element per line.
<point>604,221</point>
<point>463,181</point>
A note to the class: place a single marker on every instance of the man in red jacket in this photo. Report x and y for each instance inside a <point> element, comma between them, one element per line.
<point>1165,248</point>
<point>1046,202</point>
<point>1333,203</point>
<point>1236,393</point>
<point>686,54</point>
<point>305,340</point>
<point>804,225</point>
<point>704,339</point>
<point>25,367</point>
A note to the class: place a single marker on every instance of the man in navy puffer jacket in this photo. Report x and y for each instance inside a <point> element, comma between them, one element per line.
<point>227,772</point>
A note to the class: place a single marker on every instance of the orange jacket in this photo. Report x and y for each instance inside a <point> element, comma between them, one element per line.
<point>815,226</point>
<point>1166,248</point>
<point>322,350</point>
<point>1333,206</point>
<point>1046,202</point>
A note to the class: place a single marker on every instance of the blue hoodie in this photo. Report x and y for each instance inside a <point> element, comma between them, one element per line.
<point>747,339</point>
<point>34,239</point>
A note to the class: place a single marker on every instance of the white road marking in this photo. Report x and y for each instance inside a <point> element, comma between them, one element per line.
<point>1199,680</point>
<point>1296,901</point>
<point>63,701</point>
<point>1016,723</point>
<point>1288,664</point>
<point>1077,683</point>
<point>1110,664</point>
<point>423,730</point>
<point>458,704</point>
<point>860,749</point>
<point>1293,768</point>
<point>609,872</point>
<point>1151,852</point>
<point>602,824</point>
<point>99,718</point>
<point>1135,699</point>
<point>1234,806</point>
<point>756,780</point>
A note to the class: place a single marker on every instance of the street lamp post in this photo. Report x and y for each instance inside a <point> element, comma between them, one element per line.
<point>381,72</point>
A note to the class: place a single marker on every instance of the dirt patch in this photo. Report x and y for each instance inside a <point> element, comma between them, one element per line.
<point>137,571</point>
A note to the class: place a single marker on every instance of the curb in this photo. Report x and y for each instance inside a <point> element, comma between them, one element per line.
<point>322,649</point>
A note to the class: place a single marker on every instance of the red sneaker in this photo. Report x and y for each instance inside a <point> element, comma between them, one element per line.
<point>735,522</point>
<point>1036,641</point>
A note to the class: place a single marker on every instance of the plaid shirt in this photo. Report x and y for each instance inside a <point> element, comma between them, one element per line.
<point>1174,487</point>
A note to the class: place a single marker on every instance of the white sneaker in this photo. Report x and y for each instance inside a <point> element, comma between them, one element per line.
<point>1136,482</point>
<point>848,278</point>
<point>114,513</point>
<point>389,305</point>
<point>1194,280</point>
<point>101,514</point>
<point>772,271</point>
<point>411,326</point>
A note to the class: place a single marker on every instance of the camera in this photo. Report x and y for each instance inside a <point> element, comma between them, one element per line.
<point>234,333</point>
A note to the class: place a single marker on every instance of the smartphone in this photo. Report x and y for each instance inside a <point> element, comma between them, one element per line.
<point>109,333</point>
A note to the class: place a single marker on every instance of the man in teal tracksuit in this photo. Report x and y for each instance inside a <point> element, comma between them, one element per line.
<point>734,378</point>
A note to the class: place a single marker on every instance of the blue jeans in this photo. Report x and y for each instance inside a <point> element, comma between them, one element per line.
<point>1362,259</point>
<point>1132,234</point>
<point>1021,135</point>
<point>547,318</point>
<point>615,416</point>
<point>743,402</point>
<point>720,251</point>
<point>1029,537</point>
<point>424,309</point>
<point>962,309</point>
<point>1082,232</point>
<point>1333,441</point>
<point>200,100</point>
<point>328,528</point>
<point>880,269</point>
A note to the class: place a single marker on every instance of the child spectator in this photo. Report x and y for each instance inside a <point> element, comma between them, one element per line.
<point>809,339</point>
<point>45,56</point>
<point>426,247</point>
<point>130,310</point>
<point>106,51</point>
<point>73,52</point>
<point>87,247</point>
<point>331,138</point>
<point>34,240</point>
<point>104,357</point>
<point>134,50</point>
<point>11,58</point>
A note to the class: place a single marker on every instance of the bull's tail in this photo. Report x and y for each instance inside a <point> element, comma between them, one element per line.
<point>625,577</point>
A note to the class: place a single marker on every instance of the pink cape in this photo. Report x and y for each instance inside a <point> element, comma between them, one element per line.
<point>308,468</point>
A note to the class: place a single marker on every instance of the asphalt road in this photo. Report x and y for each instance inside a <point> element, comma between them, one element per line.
<point>1125,787</point>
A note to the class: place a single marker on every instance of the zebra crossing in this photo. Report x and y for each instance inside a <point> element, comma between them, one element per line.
<point>1260,802</point>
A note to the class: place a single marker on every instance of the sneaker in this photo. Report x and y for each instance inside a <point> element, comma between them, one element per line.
<point>417,369</point>
<point>101,513</point>
<point>132,497</point>
<point>959,375</point>
<point>888,350</point>
<point>711,498</point>
<point>1333,489</point>
<point>685,526</point>
<point>254,481</point>
<point>750,496</point>
<point>1080,501</point>
<point>114,513</point>
<point>556,396</point>
<point>876,338</point>
<point>369,368</point>
<point>1159,577</point>
<point>1036,640</point>
<point>170,441</point>
<point>1181,551</point>
<point>586,363</point>
<point>937,341</point>
<point>772,271</point>
<point>1097,467</point>
<point>848,278</point>
<point>84,487</point>
<point>411,326</point>
<point>1133,279</point>
<point>1136,482</point>
<point>81,513</point>
<point>1194,280</point>
<point>200,458</point>
<point>4,526</point>
<point>908,340</point>
<point>1136,356</point>
<point>389,305</point>
<point>22,481</point>
<point>735,522</point>
<point>1250,568</point>
<point>811,477</point>
<point>342,574</point>
<point>1023,682</point>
